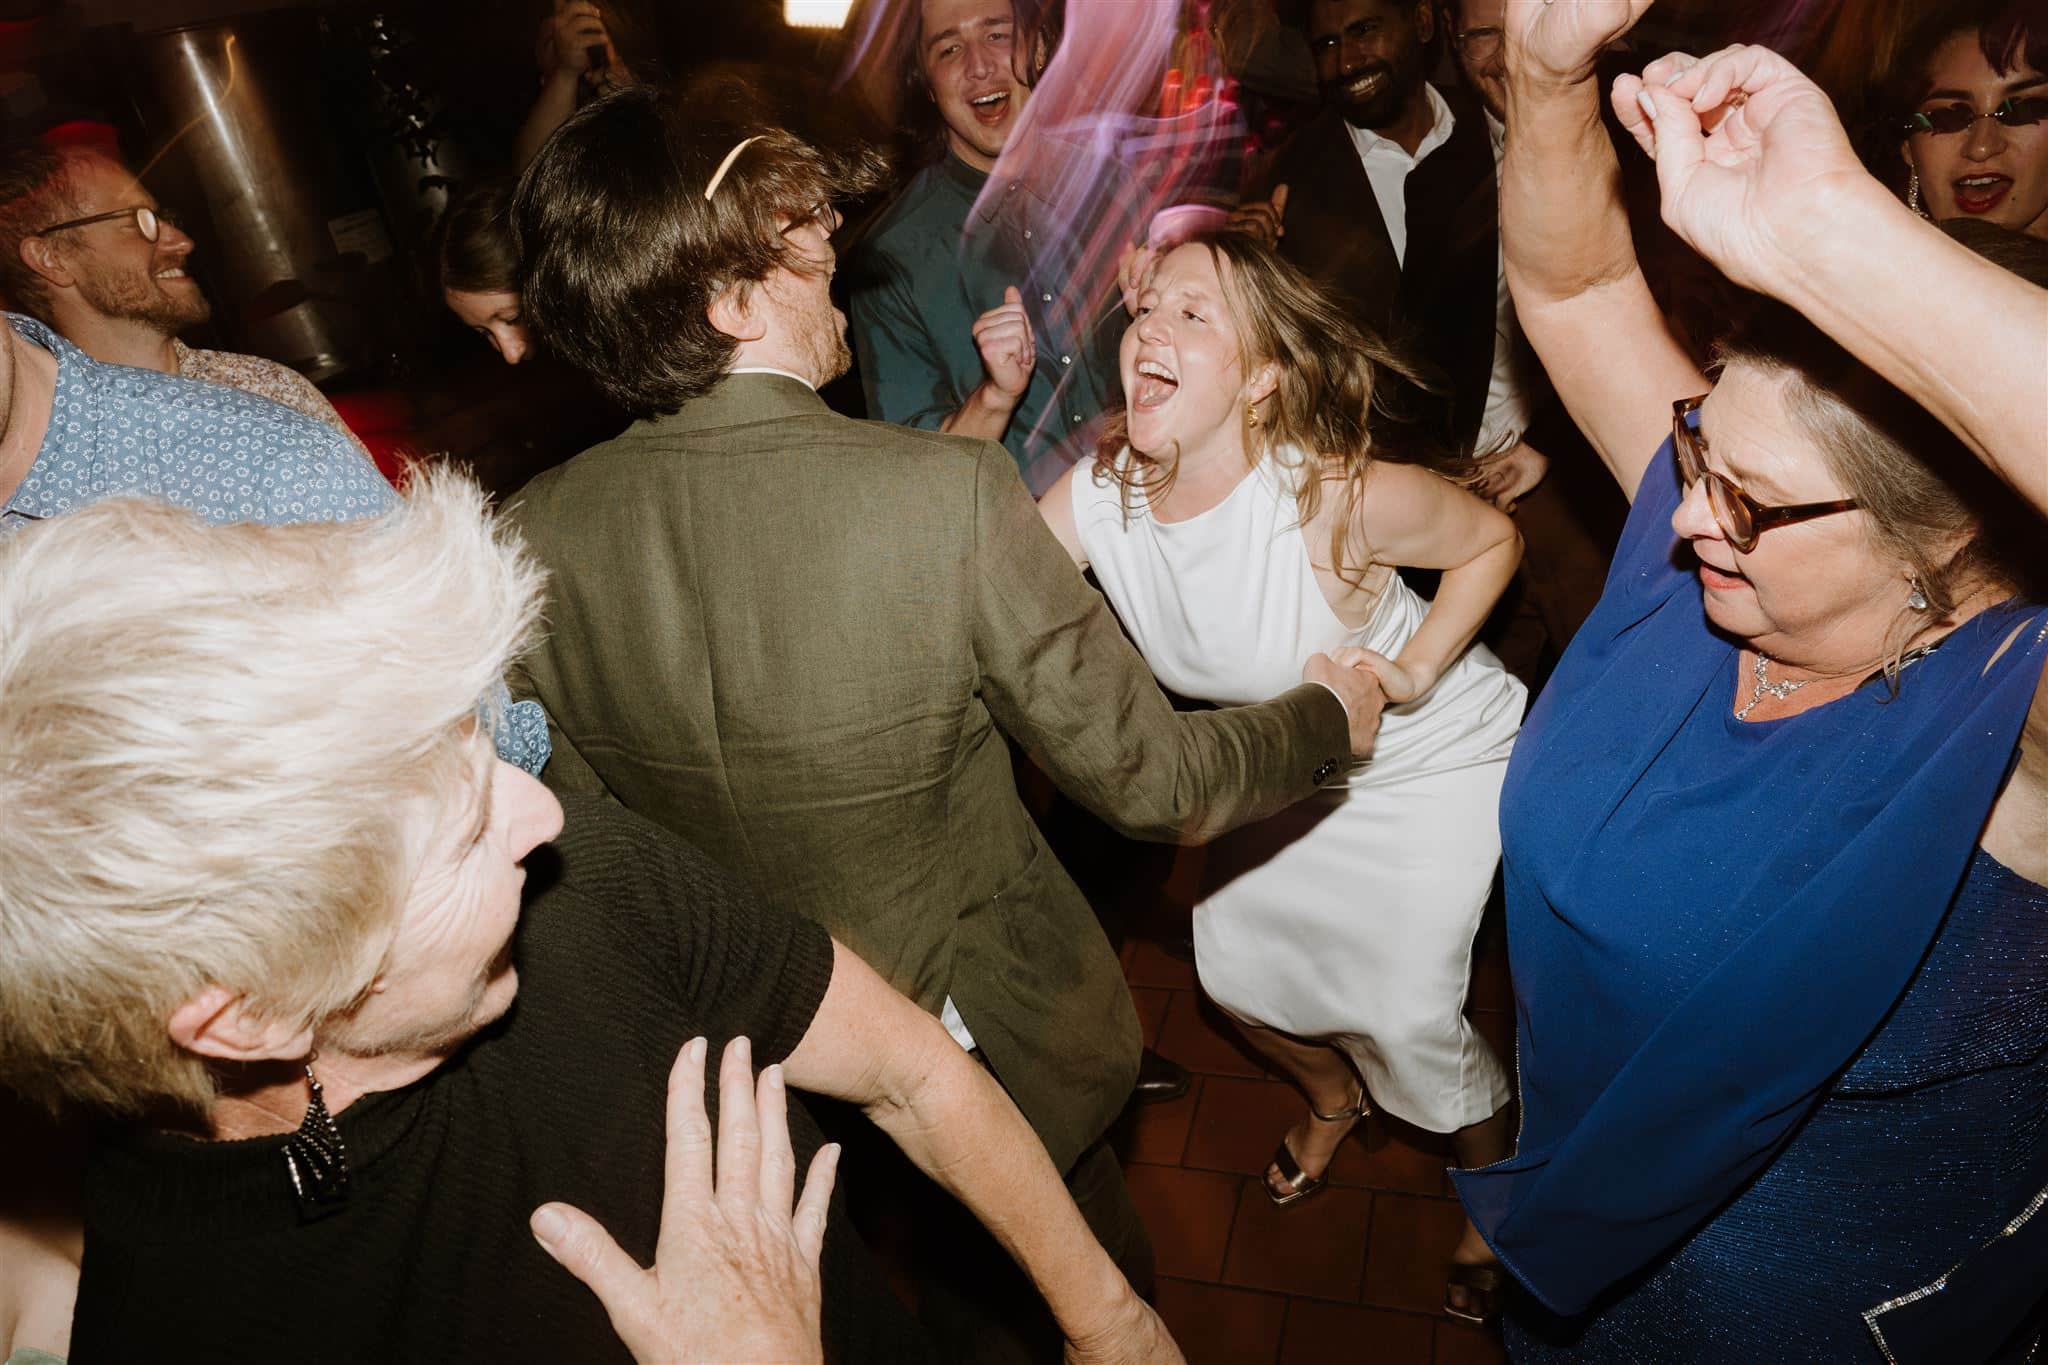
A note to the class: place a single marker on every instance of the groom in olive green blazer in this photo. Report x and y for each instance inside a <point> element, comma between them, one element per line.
<point>799,640</point>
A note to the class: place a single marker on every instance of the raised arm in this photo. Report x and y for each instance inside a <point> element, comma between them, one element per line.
<point>871,1046</point>
<point>1003,338</point>
<point>1411,517</point>
<point>1571,263</point>
<point>1758,176</point>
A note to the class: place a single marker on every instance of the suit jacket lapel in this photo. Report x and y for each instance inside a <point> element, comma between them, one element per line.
<point>1337,234</point>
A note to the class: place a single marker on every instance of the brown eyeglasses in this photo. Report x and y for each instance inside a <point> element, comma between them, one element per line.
<point>1741,518</point>
<point>148,222</point>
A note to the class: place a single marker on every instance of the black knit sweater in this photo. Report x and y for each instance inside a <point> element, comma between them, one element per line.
<point>630,944</point>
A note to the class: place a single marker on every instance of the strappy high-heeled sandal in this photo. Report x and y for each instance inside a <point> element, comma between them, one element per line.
<point>1483,1286</point>
<point>1299,1184</point>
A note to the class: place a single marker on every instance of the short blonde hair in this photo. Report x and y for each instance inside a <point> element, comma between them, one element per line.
<point>211,738</point>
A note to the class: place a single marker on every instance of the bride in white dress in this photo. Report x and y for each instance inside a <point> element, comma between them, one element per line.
<point>1239,522</point>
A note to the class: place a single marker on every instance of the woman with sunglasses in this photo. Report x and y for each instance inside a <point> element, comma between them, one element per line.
<point>1775,834</point>
<point>1976,141</point>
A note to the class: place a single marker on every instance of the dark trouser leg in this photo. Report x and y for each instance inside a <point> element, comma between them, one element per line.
<point>974,1301</point>
<point>1565,563</point>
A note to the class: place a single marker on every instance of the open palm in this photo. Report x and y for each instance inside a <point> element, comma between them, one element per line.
<point>1560,40</point>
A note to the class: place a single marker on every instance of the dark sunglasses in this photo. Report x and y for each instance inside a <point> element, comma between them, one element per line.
<point>1960,118</point>
<point>1741,518</point>
<point>148,222</point>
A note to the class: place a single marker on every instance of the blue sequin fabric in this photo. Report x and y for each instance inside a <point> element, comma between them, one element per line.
<point>1919,1151</point>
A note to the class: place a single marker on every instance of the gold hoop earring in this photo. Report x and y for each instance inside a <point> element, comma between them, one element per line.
<point>1251,414</point>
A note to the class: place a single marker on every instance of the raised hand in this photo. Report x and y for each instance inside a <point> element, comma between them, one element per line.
<point>735,1276</point>
<point>1008,351</point>
<point>1748,149</point>
<point>568,38</point>
<point>1262,218</point>
<point>1559,41</point>
<point>1133,268</point>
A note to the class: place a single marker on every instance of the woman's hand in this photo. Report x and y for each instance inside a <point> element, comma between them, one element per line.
<point>1264,219</point>
<point>1401,682</point>
<point>1558,42</point>
<point>1343,671</point>
<point>1751,159</point>
<point>1133,268</point>
<point>735,1274</point>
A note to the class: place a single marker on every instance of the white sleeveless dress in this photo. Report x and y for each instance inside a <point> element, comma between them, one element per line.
<point>1349,917</point>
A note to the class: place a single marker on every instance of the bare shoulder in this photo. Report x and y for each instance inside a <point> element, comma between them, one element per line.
<point>1057,507</point>
<point>1396,499</point>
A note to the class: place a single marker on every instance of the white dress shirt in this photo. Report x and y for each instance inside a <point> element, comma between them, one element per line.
<point>1387,164</point>
<point>1508,402</point>
<point>770,369</point>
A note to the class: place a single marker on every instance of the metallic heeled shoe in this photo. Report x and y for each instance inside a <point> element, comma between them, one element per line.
<point>1300,1184</point>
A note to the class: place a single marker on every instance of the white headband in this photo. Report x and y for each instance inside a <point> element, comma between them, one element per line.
<point>718,176</point>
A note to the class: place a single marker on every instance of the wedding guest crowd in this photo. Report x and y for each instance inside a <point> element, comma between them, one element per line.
<point>374,1046</point>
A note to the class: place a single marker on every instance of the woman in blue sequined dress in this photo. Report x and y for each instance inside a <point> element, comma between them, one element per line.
<point>1776,832</point>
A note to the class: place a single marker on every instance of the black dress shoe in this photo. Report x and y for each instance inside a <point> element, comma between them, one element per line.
<point>1159,1080</point>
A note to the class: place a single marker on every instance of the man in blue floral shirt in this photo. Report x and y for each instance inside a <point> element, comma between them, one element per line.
<point>73,431</point>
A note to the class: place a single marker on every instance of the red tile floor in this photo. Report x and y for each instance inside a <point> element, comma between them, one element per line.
<point>1355,1274</point>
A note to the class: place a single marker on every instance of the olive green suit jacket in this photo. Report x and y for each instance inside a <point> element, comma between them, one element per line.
<point>797,640</point>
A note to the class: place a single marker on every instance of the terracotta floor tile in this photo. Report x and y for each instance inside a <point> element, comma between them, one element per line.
<point>1188,1214</point>
<point>1156,1133</point>
<point>1316,1247</point>
<point>1321,1333</point>
<point>1412,1238</point>
<point>1200,1038</point>
<point>1150,965</point>
<point>1219,1326</point>
<point>1393,1156</point>
<point>1151,1003</point>
<point>1459,1343</point>
<point>1239,1123</point>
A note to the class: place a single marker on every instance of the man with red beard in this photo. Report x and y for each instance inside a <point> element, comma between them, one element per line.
<point>85,249</point>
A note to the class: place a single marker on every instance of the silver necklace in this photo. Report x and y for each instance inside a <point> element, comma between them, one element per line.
<point>1764,685</point>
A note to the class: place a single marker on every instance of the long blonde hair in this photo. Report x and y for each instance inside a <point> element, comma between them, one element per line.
<point>1344,395</point>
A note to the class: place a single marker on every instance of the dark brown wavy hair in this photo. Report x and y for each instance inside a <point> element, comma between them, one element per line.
<point>622,254</point>
<point>471,249</point>
<point>1344,396</point>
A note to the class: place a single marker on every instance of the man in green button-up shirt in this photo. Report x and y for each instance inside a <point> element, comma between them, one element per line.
<point>952,316</point>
